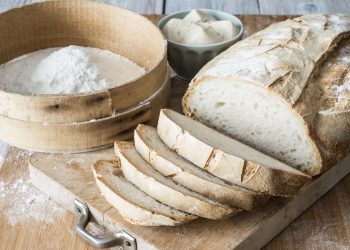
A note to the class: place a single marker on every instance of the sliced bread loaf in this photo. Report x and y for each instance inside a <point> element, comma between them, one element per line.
<point>164,189</point>
<point>266,92</point>
<point>223,156</point>
<point>169,163</point>
<point>134,205</point>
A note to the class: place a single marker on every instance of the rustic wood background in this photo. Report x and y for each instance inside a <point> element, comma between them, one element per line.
<point>324,226</point>
<point>246,7</point>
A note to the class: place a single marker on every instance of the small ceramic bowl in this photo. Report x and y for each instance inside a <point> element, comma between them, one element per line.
<point>188,59</point>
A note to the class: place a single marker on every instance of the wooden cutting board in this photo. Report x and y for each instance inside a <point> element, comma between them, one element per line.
<point>67,177</point>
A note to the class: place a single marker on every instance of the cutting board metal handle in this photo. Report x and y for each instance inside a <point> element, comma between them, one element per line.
<point>120,238</point>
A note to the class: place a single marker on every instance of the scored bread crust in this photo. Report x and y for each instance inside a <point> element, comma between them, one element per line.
<point>331,110</point>
<point>311,38</point>
<point>131,210</point>
<point>170,164</point>
<point>165,189</point>
<point>235,170</point>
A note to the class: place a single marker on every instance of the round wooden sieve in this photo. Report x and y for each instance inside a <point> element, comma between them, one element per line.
<point>62,23</point>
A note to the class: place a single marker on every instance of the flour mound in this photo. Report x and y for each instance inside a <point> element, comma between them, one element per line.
<point>68,70</point>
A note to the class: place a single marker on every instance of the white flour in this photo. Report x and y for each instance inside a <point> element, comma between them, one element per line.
<point>21,202</point>
<point>67,70</point>
<point>27,203</point>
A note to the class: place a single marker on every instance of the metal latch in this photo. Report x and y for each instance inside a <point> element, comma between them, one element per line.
<point>121,238</point>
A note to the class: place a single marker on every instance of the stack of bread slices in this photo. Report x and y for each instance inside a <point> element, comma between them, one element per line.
<point>183,170</point>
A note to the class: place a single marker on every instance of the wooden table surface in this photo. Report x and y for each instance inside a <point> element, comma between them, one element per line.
<point>325,225</point>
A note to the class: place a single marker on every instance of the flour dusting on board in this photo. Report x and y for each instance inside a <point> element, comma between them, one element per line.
<point>28,203</point>
<point>72,69</point>
<point>22,202</point>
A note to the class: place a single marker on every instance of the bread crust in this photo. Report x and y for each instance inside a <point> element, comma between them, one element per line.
<point>239,172</point>
<point>189,202</point>
<point>190,176</point>
<point>310,39</point>
<point>131,212</point>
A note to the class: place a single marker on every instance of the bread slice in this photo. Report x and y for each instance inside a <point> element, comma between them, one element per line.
<point>135,206</point>
<point>164,189</point>
<point>169,163</point>
<point>223,156</point>
<point>262,92</point>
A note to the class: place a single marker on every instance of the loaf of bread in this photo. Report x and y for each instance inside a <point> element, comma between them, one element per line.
<point>284,91</point>
<point>281,100</point>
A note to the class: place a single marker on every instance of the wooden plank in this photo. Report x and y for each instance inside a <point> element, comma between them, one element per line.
<point>76,167</point>
<point>143,7</point>
<point>231,6</point>
<point>63,176</point>
<point>266,7</point>
<point>33,232</point>
<point>10,4</point>
<point>301,7</point>
<point>324,226</point>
